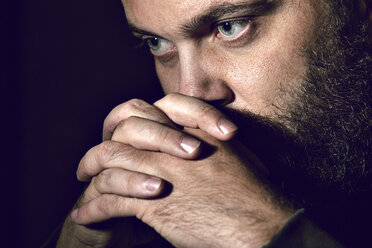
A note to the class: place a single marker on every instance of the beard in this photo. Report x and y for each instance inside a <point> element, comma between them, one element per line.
<point>320,149</point>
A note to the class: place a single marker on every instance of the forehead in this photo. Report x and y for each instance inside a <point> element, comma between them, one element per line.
<point>168,9</point>
<point>172,7</point>
<point>166,16</point>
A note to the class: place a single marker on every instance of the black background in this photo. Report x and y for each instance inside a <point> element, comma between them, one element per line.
<point>64,65</point>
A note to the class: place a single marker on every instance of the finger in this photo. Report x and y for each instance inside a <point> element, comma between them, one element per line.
<point>124,183</point>
<point>134,107</point>
<point>110,154</point>
<point>105,207</point>
<point>150,135</point>
<point>127,183</point>
<point>191,112</point>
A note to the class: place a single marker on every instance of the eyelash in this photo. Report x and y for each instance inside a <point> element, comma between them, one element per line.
<point>241,38</point>
<point>165,56</point>
<point>246,22</point>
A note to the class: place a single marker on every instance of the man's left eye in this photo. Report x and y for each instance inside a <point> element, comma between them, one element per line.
<point>232,29</point>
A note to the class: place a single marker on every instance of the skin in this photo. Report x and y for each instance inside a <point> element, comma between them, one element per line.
<point>215,199</point>
<point>250,76</point>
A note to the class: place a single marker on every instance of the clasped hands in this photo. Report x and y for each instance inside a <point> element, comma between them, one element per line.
<point>216,200</point>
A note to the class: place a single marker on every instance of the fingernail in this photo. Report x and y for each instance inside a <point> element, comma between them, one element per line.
<point>189,144</point>
<point>152,184</point>
<point>74,214</point>
<point>227,126</point>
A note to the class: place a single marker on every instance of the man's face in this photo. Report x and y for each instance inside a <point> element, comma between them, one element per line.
<point>281,69</point>
<point>246,55</point>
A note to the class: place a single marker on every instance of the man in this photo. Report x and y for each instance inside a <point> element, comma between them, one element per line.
<point>293,76</point>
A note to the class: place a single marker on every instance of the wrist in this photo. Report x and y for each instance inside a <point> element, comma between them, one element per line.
<point>259,229</point>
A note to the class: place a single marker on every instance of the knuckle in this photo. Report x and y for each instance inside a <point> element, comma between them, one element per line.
<point>206,111</point>
<point>131,121</point>
<point>104,152</point>
<point>164,135</point>
<point>107,205</point>
<point>133,105</point>
<point>104,204</point>
<point>103,180</point>
<point>120,127</point>
<point>126,124</point>
<point>108,151</point>
<point>122,111</point>
<point>116,151</point>
<point>86,166</point>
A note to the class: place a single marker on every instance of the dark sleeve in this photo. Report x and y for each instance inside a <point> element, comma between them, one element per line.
<point>301,232</point>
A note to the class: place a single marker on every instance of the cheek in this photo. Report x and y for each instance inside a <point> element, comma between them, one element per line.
<point>260,79</point>
<point>266,74</point>
<point>168,78</point>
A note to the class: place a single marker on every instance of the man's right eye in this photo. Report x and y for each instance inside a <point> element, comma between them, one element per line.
<point>159,46</point>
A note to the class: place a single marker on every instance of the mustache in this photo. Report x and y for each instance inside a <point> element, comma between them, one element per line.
<point>276,145</point>
<point>254,128</point>
<point>278,148</point>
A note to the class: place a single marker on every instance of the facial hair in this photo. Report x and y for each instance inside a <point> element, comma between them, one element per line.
<point>332,117</point>
<point>320,150</point>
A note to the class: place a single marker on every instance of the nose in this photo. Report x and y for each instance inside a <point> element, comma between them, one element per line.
<point>200,77</point>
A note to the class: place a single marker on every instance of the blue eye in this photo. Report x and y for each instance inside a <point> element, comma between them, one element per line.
<point>158,45</point>
<point>232,29</point>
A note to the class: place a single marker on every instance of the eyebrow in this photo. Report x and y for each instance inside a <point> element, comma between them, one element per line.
<point>134,29</point>
<point>255,8</point>
<point>247,8</point>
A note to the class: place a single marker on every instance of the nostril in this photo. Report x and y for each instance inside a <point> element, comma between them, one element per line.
<point>227,99</point>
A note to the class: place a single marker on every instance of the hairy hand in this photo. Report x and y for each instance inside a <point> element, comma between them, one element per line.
<point>214,200</point>
<point>152,127</point>
<point>146,127</point>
